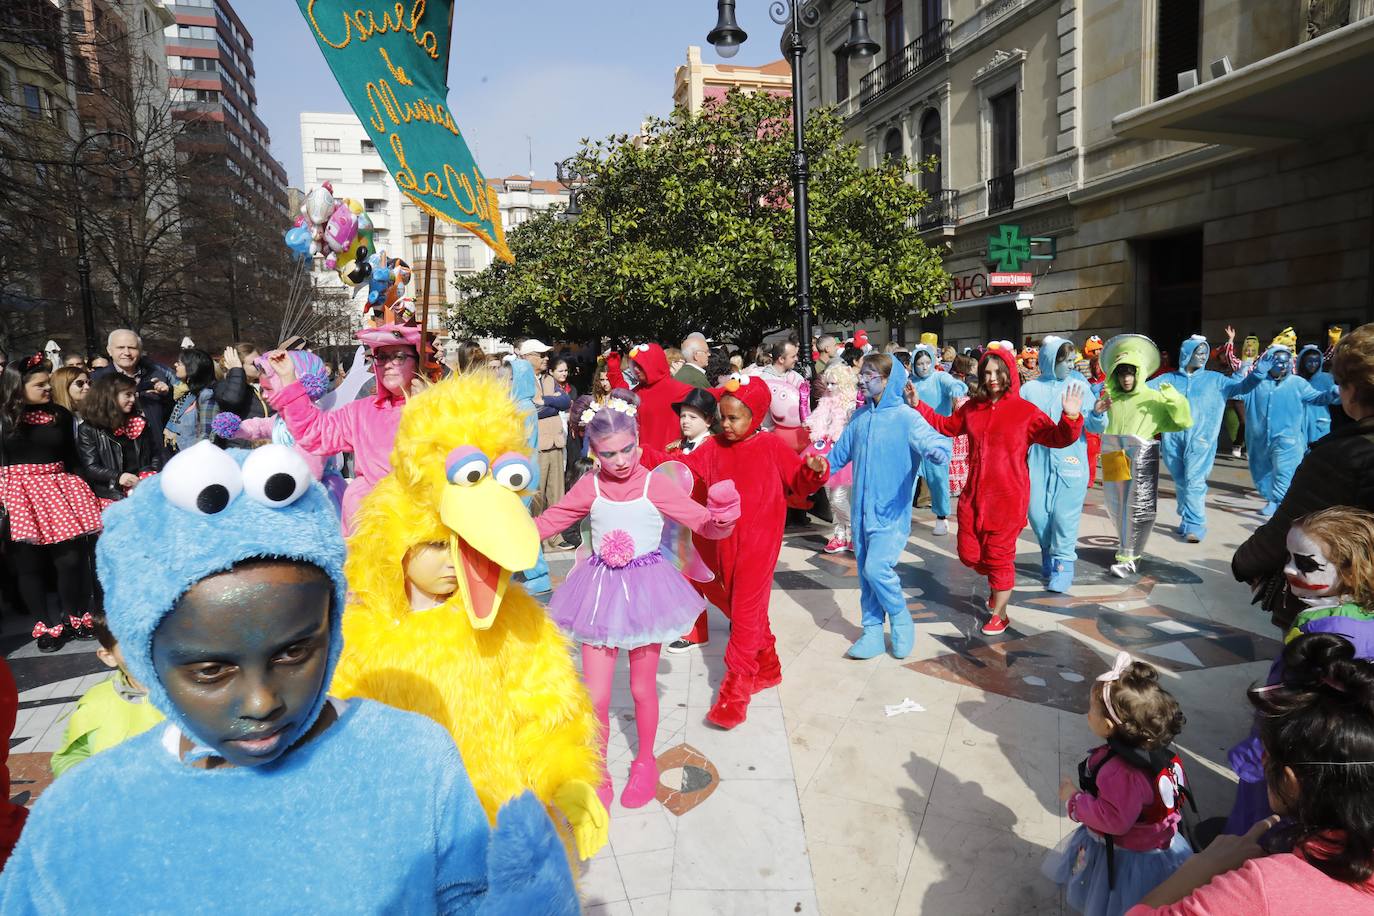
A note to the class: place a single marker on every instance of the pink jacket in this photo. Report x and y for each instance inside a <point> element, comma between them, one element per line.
<point>714,523</point>
<point>365,427</point>
<point>1123,792</point>
<point>261,428</point>
<point>1277,885</point>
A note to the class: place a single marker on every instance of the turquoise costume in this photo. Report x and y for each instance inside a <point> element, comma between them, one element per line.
<point>940,390</point>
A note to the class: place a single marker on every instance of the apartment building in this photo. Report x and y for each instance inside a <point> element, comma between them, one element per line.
<point>1189,163</point>
<point>696,81</point>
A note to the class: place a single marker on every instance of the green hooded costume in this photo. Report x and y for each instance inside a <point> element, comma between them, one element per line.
<point>1145,411</point>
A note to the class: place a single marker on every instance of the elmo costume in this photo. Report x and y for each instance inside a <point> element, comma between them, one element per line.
<point>996,500</point>
<point>657,392</point>
<point>766,471</point>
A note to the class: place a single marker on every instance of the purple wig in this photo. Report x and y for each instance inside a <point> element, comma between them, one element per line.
<point>607,421</point>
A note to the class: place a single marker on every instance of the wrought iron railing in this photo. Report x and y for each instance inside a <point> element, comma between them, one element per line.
<point>939,210</point>
<point>1324,16</point>
<point>906,63</point>
<point>1001,193</point>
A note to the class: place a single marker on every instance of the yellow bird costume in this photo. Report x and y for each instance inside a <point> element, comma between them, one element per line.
<point>487,664</point>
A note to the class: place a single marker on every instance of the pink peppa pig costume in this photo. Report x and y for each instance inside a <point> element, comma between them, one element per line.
<point>365,427</point>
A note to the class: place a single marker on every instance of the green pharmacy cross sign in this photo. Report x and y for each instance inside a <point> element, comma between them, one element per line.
<point>1008,248</point>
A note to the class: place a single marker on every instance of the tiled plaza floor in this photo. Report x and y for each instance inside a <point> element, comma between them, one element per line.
<point>821,802</point>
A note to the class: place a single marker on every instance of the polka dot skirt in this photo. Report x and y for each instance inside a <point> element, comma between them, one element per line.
<point>46,505</point>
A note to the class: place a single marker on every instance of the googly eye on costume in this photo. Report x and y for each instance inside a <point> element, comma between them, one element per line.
<point>513,471</point>
<point>466,466</point>
<point>203,479</point>
<point>275,476</point>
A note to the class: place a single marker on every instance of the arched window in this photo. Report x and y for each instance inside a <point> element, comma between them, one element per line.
<point>930,146</point>
<point>892,144</point>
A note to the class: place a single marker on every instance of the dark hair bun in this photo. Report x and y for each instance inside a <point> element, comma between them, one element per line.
<point>1139,675</point>
<point>1322,658</point>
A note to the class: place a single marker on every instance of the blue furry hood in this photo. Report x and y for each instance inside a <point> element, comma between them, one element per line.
<point>1186,349</point>
<point>208,510</point>
<point>894,395</point>
<point>928,350</point>
<point>1049,350</point>
<point>522,383</point>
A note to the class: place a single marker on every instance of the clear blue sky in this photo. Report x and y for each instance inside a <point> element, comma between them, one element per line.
<point>549,70</point>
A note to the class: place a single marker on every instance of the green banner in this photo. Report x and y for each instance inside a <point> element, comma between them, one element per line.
<point>391,61</point>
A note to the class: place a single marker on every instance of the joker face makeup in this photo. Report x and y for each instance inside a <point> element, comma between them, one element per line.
<point>243,656</point>
<point>1310,574</point>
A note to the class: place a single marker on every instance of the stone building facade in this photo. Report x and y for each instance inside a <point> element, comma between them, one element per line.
<point>1190,163</point>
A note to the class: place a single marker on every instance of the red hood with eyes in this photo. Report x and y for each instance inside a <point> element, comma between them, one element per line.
<point>754,393</point>
<point>652,363</point>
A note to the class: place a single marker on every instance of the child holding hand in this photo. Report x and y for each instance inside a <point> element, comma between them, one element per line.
<point>627,595</point>
<point>1128,797</point>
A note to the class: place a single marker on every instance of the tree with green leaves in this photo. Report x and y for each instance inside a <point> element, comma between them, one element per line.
<point>689,226</point>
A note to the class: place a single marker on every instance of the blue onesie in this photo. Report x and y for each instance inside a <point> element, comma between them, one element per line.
<point>375,814</point>
<point>1318,415</point>
<point>524,386</point>
<point>940,390</point>
<point>1058,476</point>
<point>1189,453</point>
<point>886,444</point>
<point>1276,427</point>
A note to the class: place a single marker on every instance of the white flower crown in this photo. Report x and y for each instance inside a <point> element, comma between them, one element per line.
<point>617,404</point>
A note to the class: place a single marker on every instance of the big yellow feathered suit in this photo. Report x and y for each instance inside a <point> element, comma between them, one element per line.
<point>488,664</point>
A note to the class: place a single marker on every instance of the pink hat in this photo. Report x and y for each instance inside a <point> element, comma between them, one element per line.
<point>391,335</point>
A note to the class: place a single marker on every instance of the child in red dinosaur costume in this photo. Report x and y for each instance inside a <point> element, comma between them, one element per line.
<point>766,471</point>
<point>1001,427</point>
<point>658,391</point>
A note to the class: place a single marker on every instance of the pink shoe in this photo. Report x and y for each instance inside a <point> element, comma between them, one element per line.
<point>834,545</point>
<point>606,792</point>
<point>643,784</point>
<point>996,625</point>
<point>849,545</point>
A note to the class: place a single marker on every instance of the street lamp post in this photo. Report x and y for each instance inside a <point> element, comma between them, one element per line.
<point>727,37</point>
<point>83,261</point>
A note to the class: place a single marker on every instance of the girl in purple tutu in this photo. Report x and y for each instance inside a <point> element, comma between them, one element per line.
<point>627,594</point>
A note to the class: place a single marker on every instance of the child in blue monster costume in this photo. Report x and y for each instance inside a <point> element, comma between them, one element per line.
<point>1190,453</point>
<point>886,440</point>
<point>524,386</point>
<point>940,390</point>
<point>1309,365</point>
<point>1276,424</point>
<point>1059,476</point>
<point>223,583</point>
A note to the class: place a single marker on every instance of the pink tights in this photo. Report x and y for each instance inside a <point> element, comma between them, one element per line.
<point>598,668</point>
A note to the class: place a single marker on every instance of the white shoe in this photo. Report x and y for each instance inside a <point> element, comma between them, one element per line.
<point>1235,452</point>
<point>1122,570</point>
<point>941,528</point>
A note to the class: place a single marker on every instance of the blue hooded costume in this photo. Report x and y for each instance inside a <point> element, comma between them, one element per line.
<point>1276,425</point>
<point>1190,453</point>
<point>375,814</point>
<point>886,443</point>
<point>1318,415</point>
<point>940,390</point>
<point>1058,476</point>
<point>523,388</point>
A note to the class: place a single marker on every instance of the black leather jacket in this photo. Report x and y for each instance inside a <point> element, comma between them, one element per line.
<point>104,457</point>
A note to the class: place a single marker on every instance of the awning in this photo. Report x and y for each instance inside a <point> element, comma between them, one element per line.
<point>1300,93</point>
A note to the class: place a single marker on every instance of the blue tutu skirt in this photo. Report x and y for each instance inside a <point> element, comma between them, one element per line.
<point>1080,865</point>
<point>644,602</point>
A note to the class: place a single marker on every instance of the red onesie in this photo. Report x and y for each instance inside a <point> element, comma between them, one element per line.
<point>657,392</point>
<point>765,471</point>
<point>995,501</point>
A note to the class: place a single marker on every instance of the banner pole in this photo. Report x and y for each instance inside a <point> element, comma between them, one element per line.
<point>429,238</point>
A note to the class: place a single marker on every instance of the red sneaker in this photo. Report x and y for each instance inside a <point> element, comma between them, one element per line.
<point>995,626</point>
<point>834,545</point>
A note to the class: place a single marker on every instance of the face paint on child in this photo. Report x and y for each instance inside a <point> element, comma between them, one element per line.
<point>1311,364</point>
<point>873,384</point>
<point>429,568</point>
<point>692,423</point>
<point>617,454</point>
<point>735,418</point>
<point>1198,359</point>
<point>1063,362</point>
<point>243,655</point>
<point>1283,361</point>
<point>1309,572</point>
<point>923,366</point>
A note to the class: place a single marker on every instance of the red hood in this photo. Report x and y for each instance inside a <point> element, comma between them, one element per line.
<point>751,390</point>
<point>1009,358</point>
<point>652,363</point>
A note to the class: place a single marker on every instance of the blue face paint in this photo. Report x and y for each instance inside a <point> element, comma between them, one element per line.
<point>1283,361</point>
<point>1062,368</point>
<point>873,385</point>
<point>923,366</point>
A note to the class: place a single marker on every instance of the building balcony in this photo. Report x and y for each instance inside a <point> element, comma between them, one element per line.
<point>1001,193</point>
<point>939,212</point>
<point>924,51</point>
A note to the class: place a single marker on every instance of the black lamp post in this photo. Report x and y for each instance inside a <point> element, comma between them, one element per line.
<point>570,178</point>
<point>83,261</point>
<point>727,36</point>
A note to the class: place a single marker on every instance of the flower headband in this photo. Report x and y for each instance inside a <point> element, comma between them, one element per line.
<point>615,404</point>
<point>1123,661</point>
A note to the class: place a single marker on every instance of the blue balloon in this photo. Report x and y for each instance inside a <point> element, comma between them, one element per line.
<point>298,240</point>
